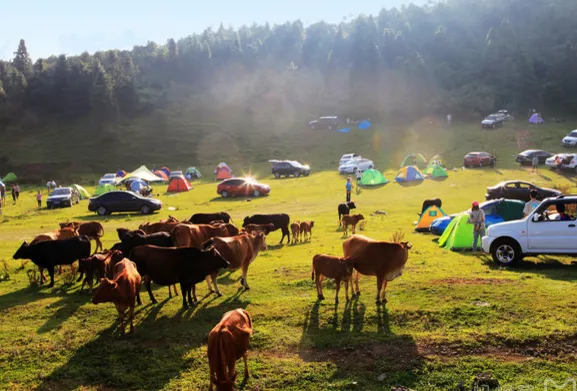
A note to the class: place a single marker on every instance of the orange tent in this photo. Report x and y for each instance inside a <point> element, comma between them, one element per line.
<point>161,174</point>
<point>222,171</point>
<point>178,184</point>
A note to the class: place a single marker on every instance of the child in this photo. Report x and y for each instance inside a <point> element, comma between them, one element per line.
<point>349,188</point>
<point>39,198</point>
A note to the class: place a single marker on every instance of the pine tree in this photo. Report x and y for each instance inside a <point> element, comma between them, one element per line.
<point>101,91</point>
<point>22,60</point>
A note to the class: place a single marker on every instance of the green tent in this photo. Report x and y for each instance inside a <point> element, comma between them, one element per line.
<point>10,177</point>
<point>192,173</point>
<point>458,235</point>
<point>414,159</point>
<point>84,195</point>
<point>373,178</point>
<point>105,188</point>
<point>435,161</point>
<point>436,172</point>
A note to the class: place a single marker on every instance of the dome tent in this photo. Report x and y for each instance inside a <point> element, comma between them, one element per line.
<point>414,159</point>
<point>408,174</point>
<point>427,217</point>
<point>104,188</point>
<point>178,184</point>
<point>373,177</point>
<point>10,177</point>
<point>137,184</point>
<point>192,173</point>
<point>166,170</point>
<point>84,195</point>
<point>536,119</point>
<point>436,172</point>
<point>222,171</point>
<point>161,174</point>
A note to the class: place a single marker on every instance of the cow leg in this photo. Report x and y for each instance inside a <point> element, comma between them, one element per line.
<point>356,278</point>
<point>246,374</point>
<point>131,314</point>
<point>175,290</point>
<point>319,283</point>
<point>379,286</point>
<point>51,272</point>
<point>149,290</point>
<point>338,288</point>
<point>42,276</point>
<point>243,279</point>
<point>346,289</point>
<point>59,269</point>
<point>383,294</point>
<point>214,277</point>
<point>170,291</point>
<point>193,299</point>
<point>98,244</point>
<point>121,317</point>
<point>185,291</point>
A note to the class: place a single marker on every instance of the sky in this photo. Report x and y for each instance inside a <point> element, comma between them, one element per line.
<point>53,27</point>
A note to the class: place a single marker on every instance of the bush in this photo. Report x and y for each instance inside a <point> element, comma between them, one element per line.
<point>398,236</point>
<point>4,271</point>
<point>33,277</point>
<point>69,274</point>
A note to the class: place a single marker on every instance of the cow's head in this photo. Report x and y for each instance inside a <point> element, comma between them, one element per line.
<point>349,264</point>
<point>351,205</point>
<point>22,252</point>
<point>231,229</point>
<point>245,222</point>
<point>122,232</point>
<point>406,245</point>
<point>312,224</point>
<point>105,291</point>
<point>67,232</point>
<point>360,217</point>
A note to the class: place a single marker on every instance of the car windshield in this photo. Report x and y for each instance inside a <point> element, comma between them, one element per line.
<point>62,191</point>
<point>492,117</point>
<point>109,176</point>
<point>573,134</point>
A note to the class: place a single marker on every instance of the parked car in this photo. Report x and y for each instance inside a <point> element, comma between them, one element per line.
<point>242,187</point>
<point>324,123</point>
<point>288,168</point>
<point>108,178</point>
<point>175,174</point>
<point>123,201</point>
<point>493,120</point>
<point>348,157</point>
<point>526,157</point>
<point>355,165</point>
<point>563,161</point>
<point>479,159</point>
<point>542,232</point>
<point>571,139</point>
<point>62,196</point>
<point>518,190</point>
<point>506,115</point>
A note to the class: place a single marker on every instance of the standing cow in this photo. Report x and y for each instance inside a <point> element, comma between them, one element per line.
<point>92,229</point>
<point>207,218</point>
<point>280,221</point>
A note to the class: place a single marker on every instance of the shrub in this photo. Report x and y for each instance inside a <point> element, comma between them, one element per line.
<point>69,274</point>
<point>33,277</point>
<point>397,236</point>
<point>4,271</point>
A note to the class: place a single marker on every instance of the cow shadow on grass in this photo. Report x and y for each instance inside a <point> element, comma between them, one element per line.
<point>62,310</point>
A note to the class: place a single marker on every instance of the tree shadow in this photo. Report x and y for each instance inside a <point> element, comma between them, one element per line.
<point>546,178</point>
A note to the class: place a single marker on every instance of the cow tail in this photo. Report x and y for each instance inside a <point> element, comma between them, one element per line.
<point>313,274</point>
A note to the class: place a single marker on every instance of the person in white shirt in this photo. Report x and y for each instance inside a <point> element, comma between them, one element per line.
<point>532,204</point>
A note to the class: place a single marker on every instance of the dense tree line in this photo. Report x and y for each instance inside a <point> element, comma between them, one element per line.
<point>463,56</point>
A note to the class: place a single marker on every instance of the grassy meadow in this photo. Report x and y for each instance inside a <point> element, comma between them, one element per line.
<point>449,317</point>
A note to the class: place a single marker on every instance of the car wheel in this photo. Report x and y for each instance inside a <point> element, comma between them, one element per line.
<point>224,194</point>
<point>256,193</point>
<point>297,174</point>
<point>102,211</point>
<point>506,252</point>
<point>276,175</point>
<point>307,173</point>
<point>145,209</point>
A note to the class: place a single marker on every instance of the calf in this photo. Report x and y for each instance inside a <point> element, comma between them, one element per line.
<point>345,208</point>
<point>51,253</point>
<point>307,228</point>
<point>123,290</point>
<point>256,228</point>
<point>98,265</point>
<point>341,269</point>
<point>351,220</point>
<point>187,266</point>
<point>280,221</point>
<point>227,342</point>
<point>92,229</point>
<point>296,231</point>
<point>207,218</point>
<point>386,260</point>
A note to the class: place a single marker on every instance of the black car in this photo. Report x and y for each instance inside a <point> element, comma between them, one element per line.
<point>518,190</point>
<point>62,196</point>
<point>288,168</point>
<point>526,157</point>
<point>324,123</point>
<point>123,201</point>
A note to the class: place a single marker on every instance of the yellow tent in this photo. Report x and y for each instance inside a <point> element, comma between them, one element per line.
<point>427,217</point>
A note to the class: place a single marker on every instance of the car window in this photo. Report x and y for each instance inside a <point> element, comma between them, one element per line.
<point>109,197</point>
<point>235,182</point>
<point>552,212</point>
<point>61,191</point>
<point>125,196</point>
<point>525,186</point>
<point>511,185</point>
<point>573,134</point>
<point>490,209</point>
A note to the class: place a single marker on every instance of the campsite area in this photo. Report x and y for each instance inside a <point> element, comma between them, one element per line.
<point>450,317</point>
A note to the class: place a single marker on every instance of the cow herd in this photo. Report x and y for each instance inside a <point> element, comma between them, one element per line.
<point>172,252</point>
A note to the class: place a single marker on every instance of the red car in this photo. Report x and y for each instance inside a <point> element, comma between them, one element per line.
<point>479,159</point>
<point>242,187</point>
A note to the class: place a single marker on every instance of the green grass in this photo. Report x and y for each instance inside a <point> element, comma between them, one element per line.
<point>432,334</point>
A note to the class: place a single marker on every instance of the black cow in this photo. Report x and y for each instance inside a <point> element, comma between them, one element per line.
<point>280,221</point>
<point>427,203</point>
<point>207,218</point>
<point>122,232</point>
<point>131,240</point>
<point>51,253</point>
<point>185,265</point>
<point>345,208</point>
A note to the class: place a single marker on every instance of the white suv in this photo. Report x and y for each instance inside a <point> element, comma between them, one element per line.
<point>347,157</point>
<point>549,229</point>
<point>571,139</point>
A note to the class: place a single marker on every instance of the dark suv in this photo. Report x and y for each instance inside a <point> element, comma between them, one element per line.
<point>288,168</point>
<point>324,123</point>
<point>62,196</point>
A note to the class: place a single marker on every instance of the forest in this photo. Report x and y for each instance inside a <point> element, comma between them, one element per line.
<point>466,57</point>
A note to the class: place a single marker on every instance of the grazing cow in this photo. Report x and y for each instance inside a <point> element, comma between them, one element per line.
<point>63,233</point>
<point>193,235</point>
<point>296,231</point>
<point>228,342</point>
<point>307,228</point>
<point>98,265</point>
<point>345,209</point>
<point>207,218</point>
<point>123,291</point>
<point>151,228</point>
<point>341,269</point>
<point>433,202</point>
<point>256,228</point>
<point>280,221</point>
<point>351,220</point>
<point>122,232</point>
<point>51,253</point>
<point>239,251</point>
<point>92,229</point>
<point>386,260</point>
<point>186,265</point>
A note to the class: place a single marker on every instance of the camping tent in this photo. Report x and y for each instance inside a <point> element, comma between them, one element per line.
<point>365,124</point>
<point>192,173</point>
<point>459,233</point>
<point>10,177</point>
<point>84,195</point>
<point>161,174</point>
<point>436,172</point>
<point>427,217</point>
<point>143,173</point>
<point>166,170</point>
<point>121,174</point>
<point>178,184</point>
<point>536,118</point>
<point>435,161</point>
<point>137,185</point>
<point>104,188</point>
<point>414,159</point>
<point>345,130</point>
<point>222,171</point>
<point>373,178</point>
<point>407,174</point>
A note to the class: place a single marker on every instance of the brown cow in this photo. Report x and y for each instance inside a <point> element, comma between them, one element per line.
<point>239,251</point>
<point>98,265</point>
<point>151,228</point>
<point>307,228</point>
<point>256,228</point>
<point>341,269</point>
<point>123,291</point>
<point>296,230</point>
<point>386,260</point>
<point>227,342</point>
<point>193,235</point>
<point>63,233</point>
<point>92,229</point>
<point>352,220</point>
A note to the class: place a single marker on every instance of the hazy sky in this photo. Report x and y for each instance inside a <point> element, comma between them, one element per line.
<point>74,26</point>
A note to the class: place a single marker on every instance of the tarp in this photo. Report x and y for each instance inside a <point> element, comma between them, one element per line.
<point>436,172</point>
<point>161,174</point>
<point>143,173</point>
<point>407,174</point>
<point>178,184</point>
<point>427,217</point>
<point>222,171</point>
<point>84,195</point>
<point>10,177</point>
<point>105,188</point>
<point>414,159</point>
<point>364,125</point>
<point>166,170</point>
<point>373,178</point>
<point>536,119</point>
<point>192,173</point>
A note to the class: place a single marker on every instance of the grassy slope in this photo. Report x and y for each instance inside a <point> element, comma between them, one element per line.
<point>432,334</point>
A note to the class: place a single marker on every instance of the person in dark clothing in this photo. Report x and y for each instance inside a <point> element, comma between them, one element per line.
<point>14,194</point>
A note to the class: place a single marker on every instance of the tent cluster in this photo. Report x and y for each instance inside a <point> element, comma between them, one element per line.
<point>412,165</point>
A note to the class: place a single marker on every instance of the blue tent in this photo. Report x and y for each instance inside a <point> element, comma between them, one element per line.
<point>409,173</point>
<point>137,184</point>
<point>344,130</point>
<point>364,124</point>
<point>166,171</point>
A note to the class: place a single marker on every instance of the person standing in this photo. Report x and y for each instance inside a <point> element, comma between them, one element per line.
<point>2,192</point>
<point>477,218</point>
<point>17,191</point>
<point>532,204</point>
<point>535,164</point>
<point>14,193</point>
<point>359,176</point>
<point>39,198</point>
<point>349,188</point>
